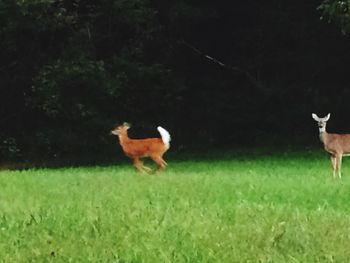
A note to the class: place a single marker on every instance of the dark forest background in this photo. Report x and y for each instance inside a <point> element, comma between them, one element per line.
<point>71,70</point>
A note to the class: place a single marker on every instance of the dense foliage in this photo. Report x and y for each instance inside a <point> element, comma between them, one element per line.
<point>69,70</point>
<point>337,11</point>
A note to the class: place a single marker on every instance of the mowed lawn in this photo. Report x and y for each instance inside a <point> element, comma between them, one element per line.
<point>232,208</point>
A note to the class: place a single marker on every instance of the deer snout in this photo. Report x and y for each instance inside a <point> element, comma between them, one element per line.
<point>321,124</point>
<point>113,132</point>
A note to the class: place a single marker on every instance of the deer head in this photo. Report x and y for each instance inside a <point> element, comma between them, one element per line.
<point>120,129</point>
<point>321,122</point>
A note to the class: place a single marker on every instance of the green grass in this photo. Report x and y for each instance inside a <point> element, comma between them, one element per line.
<point>232,208</point>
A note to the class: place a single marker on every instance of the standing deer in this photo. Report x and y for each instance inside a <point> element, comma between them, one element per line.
<point>338,145</point>
<point>140,148</point>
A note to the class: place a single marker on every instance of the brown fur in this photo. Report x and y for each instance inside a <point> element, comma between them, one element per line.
<point>337,145</point>
<point>140,148</point>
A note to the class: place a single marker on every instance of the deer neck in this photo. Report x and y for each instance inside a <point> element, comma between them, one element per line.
<point>323,135</point>
<point>123,138</point>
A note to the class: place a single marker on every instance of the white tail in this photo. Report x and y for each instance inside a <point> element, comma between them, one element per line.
<point>338,145</point>
<point>165,136</point>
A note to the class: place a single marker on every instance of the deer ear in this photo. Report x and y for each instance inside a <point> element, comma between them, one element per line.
<point>127,125</point>
<point>327,117</point>
<point>314,116</point>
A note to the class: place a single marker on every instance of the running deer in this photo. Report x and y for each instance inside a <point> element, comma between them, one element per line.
<point>140,148</point>
<point>337,145</point>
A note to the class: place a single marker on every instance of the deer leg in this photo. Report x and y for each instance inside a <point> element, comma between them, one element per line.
<point>145,168</point>
<point>334,164</point>
<point>159,161</point>
<point>339,160</point>
<point>138,165</point>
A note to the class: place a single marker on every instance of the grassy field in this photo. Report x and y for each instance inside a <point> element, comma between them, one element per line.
<point>282,207</point>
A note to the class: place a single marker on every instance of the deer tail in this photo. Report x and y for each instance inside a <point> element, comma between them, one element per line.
<point>165,136</point>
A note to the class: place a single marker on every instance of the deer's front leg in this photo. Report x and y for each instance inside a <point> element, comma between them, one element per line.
<point>339,160</point>
<point>138,164</point>
<point>334,164</point>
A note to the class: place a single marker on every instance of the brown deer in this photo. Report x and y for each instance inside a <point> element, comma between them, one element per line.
<point>337,145</point>
<point>140,148</point>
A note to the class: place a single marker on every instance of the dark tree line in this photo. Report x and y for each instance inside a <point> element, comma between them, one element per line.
<point>216,74</point>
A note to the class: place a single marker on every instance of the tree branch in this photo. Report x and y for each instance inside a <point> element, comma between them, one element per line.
<point>248,75</point>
